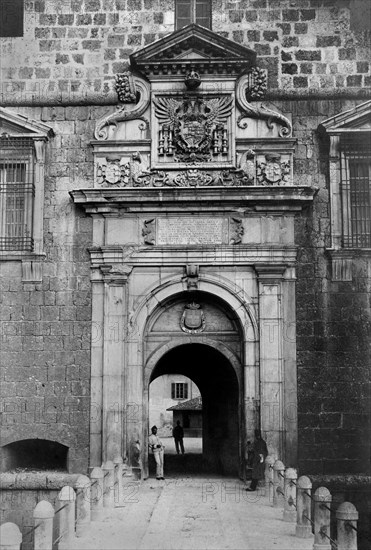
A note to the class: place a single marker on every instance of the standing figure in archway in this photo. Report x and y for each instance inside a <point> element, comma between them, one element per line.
<point>260,453</point>
<point>178,434</point>
<point>157,447</point>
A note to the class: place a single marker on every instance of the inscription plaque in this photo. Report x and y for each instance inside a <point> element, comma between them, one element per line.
<point>189,230</point>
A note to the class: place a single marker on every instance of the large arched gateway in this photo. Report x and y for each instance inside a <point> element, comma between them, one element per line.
<point>193,263</point>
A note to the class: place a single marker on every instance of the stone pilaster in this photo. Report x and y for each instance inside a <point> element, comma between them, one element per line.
<point>271,359</point>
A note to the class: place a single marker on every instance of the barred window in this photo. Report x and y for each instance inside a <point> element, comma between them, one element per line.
<point>179,390</point>
<point>17,192</point>
<point>356,190</point>
<point>11,18</point>
<point>192,11</point>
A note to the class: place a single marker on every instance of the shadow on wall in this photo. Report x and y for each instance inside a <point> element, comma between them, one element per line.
<point>34,454</point>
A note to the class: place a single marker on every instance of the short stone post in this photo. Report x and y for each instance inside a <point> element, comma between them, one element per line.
<point>347,517</point>
<point>303,508</point>
<point>118,473</point>
<point>83,497</point>
<point>10,536</point>
<point>108,484</point>
<point>278,480</point>
<point>96,489</point>
<point>289,511</point>
<point>322,500</point>
<point>43,516</point>
<point>268,474</point>
<point>66,517</point>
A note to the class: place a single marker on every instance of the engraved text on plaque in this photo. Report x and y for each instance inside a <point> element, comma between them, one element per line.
<point>189,230</point>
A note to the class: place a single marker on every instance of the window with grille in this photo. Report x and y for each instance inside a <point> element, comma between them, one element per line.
<point>16,193</point>
<point>11,18</point>
<point>192,11</point>
<point>356,191</point>
<point>179,390</point>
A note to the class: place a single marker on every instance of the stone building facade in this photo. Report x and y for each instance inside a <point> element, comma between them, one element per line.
<point>247,264</point>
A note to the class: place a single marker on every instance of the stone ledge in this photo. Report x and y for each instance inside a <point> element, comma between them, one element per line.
<point>36,480</point>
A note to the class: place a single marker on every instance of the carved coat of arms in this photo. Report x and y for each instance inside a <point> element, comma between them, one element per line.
<point>273,171</point>
<point>193,128</point>
<point>193,319</point>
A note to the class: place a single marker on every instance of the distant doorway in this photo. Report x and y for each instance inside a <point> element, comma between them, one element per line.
<point>217,382</point>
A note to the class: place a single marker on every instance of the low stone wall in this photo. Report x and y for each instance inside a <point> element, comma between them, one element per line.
<point>20,493</point>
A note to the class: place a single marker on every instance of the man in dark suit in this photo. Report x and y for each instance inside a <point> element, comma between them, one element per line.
<point>178,435</point>
<point>260,453</point>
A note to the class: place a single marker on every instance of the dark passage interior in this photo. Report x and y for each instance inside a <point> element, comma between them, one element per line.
<point>218,385</point>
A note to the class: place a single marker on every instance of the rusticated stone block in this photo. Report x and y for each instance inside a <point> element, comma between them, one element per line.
<point>92,5</point>
<point>253,36</point>
<point>289,68</point>
<point>328,41</point>
<point>290,15</point>
<point>307,15</point>
<point>66,19</point>
<point>290,42</point>
<point>251,15</point>
<point>354,80</point>
<point>308,55</point>
<point>301,28</point>
<point>235,16</point>
<point>42,32</point>
<point>84,19</point>
<point>347,53</point>
<point>270,36</point>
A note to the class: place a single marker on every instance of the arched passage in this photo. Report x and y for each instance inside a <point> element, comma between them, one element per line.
<point>217,380</point>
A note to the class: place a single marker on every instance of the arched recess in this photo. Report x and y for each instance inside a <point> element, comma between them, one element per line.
<point>217,373</point>
<point>241,356</point>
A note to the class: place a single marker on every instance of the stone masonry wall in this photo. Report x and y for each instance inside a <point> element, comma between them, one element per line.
<point>46,328</point>
<point>71,49</point>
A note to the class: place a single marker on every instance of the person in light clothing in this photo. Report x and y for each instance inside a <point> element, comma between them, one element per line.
<point>155,444</point>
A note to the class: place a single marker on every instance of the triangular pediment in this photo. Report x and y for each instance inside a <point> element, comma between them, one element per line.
<point>356,119</point>
<point>13,124</point>
<point>190,45</point>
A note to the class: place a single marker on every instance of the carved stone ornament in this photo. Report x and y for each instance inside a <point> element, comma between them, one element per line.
<point>112,172</point>
<point>256,110</point>
<point>148,231</point>
<point>192,271</point>
<point>193,319</point>
<point>257,86</point>
<point>193,178</point>
<point>237,230</point>
<point>129,110</point>
<point>273,171</point>
<point>192,80</point>
<point>125,87</point>
<point>193,128</point>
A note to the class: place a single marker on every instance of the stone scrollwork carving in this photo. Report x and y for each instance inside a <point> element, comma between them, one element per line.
<point>237,230</point>
<point>256,110</point>
<point>130,87</point>
<point>148,231</point>
<point>273,171</point>
<point>193,178</point>
<point>125,87</point>
<point>257,86</point>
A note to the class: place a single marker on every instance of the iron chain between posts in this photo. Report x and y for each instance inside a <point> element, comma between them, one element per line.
<point>323,534</point>
<point>94,482</point>
<point>64,505</point>
<point>32,530</point>
<point>324,507</point>
<point>309,495</point>
<point>306,517</point>
<point>279,473</point>
<point>59,538</point>
<point>279,490</point>
<point>106,474</point>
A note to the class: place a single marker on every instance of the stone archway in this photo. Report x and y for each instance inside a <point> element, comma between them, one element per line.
<point>210,358</point>
<point>207,364</point>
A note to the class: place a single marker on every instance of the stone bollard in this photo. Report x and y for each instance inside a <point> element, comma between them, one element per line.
<point>43,516</point>
<point>96,493</point>
<point>303,508</point>
<point>10,536</point>
<point>278,480</point>
<point>347,517</point>
<point>322,500</point>
<point>108,484</point>
<point>66,517</point>
<point>118,473</point>
<point>268,474</point>
<point>289,511</point>
<point>83,496</point>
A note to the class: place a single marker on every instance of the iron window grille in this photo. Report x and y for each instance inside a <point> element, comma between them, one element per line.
<point>17,191</point>
<point>192,11</point>
<point>179,390</point>
<point>356,191</point>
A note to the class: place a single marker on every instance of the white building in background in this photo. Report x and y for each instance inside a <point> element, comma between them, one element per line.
<point>166,391</point>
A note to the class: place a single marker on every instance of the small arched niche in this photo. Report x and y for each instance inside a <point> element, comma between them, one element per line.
<point>34,454</point>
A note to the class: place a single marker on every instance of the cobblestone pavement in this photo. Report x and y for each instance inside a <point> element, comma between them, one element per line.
<point>192,513</point>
